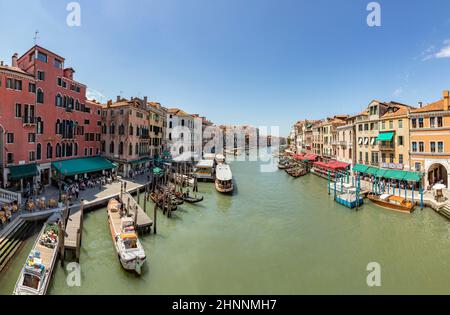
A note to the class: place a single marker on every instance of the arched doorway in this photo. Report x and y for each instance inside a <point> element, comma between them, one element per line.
<point>437,173</point>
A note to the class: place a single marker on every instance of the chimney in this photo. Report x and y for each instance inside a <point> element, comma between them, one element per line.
<point>1,63</point>
<point>118,98</point>
<point>446,100</point>
<point>420,104</point>
<point>14,60</point>
<point>145,100</point>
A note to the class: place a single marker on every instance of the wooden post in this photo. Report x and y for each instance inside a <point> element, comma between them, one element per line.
<point>138,195</point>
<point>81,220</point>
<point>155,211</point>
<point>329,183</point>
<point>145,200</point>
<point>78,248</point>
<point>61,234</point>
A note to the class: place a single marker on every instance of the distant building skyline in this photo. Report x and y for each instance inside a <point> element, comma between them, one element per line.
<point>265,63</point>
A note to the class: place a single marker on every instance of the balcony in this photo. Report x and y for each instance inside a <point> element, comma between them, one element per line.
<point>29,120</point>
<point>386,147</point>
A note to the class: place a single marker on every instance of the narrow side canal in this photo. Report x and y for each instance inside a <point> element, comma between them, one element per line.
<point>275,235</point>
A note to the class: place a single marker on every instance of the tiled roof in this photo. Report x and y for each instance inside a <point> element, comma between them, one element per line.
<point>436,106</point>
<point>15,69</point>
<point>178,112</point>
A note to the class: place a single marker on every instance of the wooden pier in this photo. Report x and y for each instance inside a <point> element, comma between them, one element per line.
<point>73,232</point>
<point>142,220</point>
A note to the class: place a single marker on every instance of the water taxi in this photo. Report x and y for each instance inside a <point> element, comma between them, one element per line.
<point>204,170</point>
<point>220,159</point>
<point>126,242</point>
<point>224,178</point>
<point>37,271</point>
<point>391,202</point>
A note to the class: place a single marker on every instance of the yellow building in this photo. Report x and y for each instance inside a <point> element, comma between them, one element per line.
<point>430,141</point>
<point>393,138</point>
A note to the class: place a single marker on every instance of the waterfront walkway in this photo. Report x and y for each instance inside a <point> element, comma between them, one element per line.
<point>92,197</point>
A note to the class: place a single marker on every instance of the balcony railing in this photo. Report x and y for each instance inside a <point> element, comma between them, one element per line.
<point>387,147</point>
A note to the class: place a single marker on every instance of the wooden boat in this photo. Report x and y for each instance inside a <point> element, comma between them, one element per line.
<point>126,242</point>
<point>224,179</point>
<point>297,172</point>
<point>189,199</point>
<point>156,198</point>
<point>391,202</point>
<point>36,273</point>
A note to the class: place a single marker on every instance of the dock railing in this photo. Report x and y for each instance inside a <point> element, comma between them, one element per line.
<point>10,196</point>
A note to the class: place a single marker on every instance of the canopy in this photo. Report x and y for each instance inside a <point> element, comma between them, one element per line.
<point>332,165</point>
<point>439,186</point>
<point>371,170</point>
<point>360,168</point>
<point>23,171</point>
<point>385,136</point>
<point>82,165</point>
<point>381,173</point>
<point>299,156</point>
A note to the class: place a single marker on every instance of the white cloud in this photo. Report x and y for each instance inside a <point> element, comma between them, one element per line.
<point>432,53</point>
<point>398,92</point>
<point>92,94</point>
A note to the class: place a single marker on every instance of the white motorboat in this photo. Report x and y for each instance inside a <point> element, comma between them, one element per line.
<point>224,178</point>
<point>126,242</point>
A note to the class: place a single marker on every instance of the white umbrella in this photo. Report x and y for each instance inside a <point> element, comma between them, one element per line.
<point>439,186</point>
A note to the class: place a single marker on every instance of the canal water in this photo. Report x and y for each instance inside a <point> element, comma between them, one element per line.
<point>275,235</point>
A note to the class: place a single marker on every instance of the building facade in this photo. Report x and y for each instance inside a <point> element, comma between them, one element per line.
<point>346,142</point>
<point>60,125</point>
<point>125,134</point>
<point>430,141</point>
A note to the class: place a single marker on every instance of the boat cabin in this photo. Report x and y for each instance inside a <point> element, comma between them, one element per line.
<point>204,170</point>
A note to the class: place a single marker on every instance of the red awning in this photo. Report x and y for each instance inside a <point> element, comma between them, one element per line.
<point>310,157</point>
<point>298,156</point>
<point>332,165</point>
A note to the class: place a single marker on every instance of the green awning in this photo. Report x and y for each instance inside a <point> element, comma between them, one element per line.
<point>23,171</point>
<point>381,173</point>
<point>394,174</point>
<point>385,136</point>
<point>140,161</point>
<point>82,165</point>
<point>371,170</point>
<point>360,168</point>
<point>412,177</point>
<point>157,171</point>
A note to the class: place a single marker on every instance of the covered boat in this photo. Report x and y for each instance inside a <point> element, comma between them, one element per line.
<point>391,202</point>
<point>126,242</point>
<point>36,273</point>
<point>224,178</point>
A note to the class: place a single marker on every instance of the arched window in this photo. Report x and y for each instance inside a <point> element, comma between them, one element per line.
<point>77,105</point>
<point>121,129</point>
<point>111,147</point>
<point>59,100</point>
<point>131,130</point>
<point>136,149</point>
<point>170,136</point>
<point>38,151</point>
<point>170,124</point>
<point>40,96</point>
<point>130,149</point>
<point>104,129</point>
<point>181,150</point>
<point>182,122</point>
<point>49,151</point>
<point>75,152</point>
<point>58,150</point>
<point>121,148</point>
<point>39,126</point>
<point>112,129</point>
<point>58,127</point>
<point>63,153</point>
<point>66,101</point>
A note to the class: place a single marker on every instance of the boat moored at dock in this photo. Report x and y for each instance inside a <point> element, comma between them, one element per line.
<point>204,170</point>
<point>224,178</point>
<point>392,202</point>
<point>126,242</point>
<point>35,275</point>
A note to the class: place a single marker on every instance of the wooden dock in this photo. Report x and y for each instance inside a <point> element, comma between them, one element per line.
<point>143,221</point>
<point>74,231</point>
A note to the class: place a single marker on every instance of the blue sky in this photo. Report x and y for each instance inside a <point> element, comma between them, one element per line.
<point>262,62</point>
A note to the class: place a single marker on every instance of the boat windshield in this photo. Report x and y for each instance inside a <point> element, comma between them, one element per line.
<point>31,281</point>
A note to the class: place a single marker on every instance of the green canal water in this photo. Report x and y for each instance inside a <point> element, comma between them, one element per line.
<point>275,235</point>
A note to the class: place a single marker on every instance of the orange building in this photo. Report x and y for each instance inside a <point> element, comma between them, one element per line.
<point>430,141</point>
